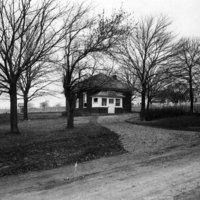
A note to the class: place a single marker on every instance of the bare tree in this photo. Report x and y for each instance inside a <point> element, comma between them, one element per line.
<point>129,77</point>
<point>187,67</point>
<point>86,37</point>
<point>156,83</point>
<point>174,92</point>
<point>147,53</point>
<point>44,105</point>
<point>34,82</point>
<point>19,19</point>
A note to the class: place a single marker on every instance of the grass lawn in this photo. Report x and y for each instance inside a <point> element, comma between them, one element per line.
<point>186,123</point>
<point>46,144</point>
<point>4,118</point>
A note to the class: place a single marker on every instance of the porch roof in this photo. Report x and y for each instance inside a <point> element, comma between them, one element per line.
<point>109,94</point>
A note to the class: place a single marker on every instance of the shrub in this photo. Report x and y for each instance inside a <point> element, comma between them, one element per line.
<point>156,113</point>
<point>77,112</point>
<point>64,114</point>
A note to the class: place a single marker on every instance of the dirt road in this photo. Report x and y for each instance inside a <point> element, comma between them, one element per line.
<point>160,165</point>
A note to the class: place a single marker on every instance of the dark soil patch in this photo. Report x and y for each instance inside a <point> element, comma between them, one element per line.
<point>185,123</point>
<point>84,143</point>
<point>192,195</point>
<point>4,118</point>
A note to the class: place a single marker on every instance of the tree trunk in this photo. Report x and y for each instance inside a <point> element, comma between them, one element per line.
<point>70,112</point>
<point>70,118</point>
<point>191,97</point>
<point>143,99</point>
<point>25,107</point>
<point>66,107</point>
<point>13,110</point>
<point>148,103</point>
<point>142,113</point>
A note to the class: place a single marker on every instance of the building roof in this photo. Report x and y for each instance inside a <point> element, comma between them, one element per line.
<point>112,94</point>
<point>104,82</point>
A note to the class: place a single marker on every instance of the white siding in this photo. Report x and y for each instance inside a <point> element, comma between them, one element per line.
<point>77,103</point>
<point>99,103</point>
<point>96,104</point>
<point>84,100</point>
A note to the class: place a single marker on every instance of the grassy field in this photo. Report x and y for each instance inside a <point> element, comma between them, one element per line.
<point>5,117</point>
<point>46,144</point>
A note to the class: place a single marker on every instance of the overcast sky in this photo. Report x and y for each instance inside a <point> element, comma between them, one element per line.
<point>185,15</point>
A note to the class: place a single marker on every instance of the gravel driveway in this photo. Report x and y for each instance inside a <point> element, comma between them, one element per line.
<point>138,139</point>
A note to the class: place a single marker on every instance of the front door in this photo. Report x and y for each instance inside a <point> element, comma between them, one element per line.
<point>111,106</point>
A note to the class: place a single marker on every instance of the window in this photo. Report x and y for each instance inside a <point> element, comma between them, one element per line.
<point>95,100</point>
<point>84,100</point>
<point>104,102</point>
<point>77,103</point>
<point>117,103</point>
<point>111,101</point>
